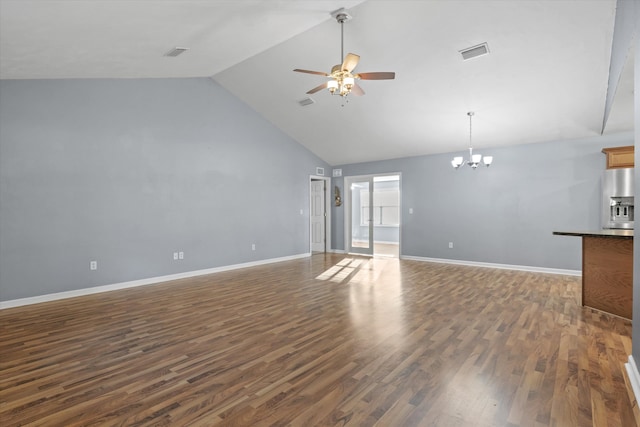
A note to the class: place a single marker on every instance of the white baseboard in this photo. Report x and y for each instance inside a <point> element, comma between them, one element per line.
<point>141,282</point>
<point>152,280</point>
<point>337,251</point>
<point>492,265</point>
<point>634,376</point>
<point>384,242</point>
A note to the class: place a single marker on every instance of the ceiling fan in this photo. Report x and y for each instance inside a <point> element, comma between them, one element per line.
<point>341,79</point>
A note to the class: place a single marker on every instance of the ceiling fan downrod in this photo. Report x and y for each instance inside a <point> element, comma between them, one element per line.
<point>341,18</point>
<point>341,39</point>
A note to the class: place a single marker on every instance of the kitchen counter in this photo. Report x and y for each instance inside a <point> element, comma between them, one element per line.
<point>607,270</point>
<point>622,234</point>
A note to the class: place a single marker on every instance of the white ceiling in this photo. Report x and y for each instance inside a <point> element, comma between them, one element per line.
<point>545,78</point>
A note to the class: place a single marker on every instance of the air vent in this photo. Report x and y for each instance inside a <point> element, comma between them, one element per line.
<point>474,51</point>
<point>176,51</point>
<point>306,101</point>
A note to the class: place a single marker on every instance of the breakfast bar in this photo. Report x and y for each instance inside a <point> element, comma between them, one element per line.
<point>607,270</point>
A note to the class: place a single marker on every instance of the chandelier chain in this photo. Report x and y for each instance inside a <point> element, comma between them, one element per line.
<point>470,114</point>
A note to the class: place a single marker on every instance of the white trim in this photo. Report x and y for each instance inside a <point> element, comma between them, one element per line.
<point>337,251</point>
<point>141,282</point>
<point>377,241</point>
<point>500,266</point>
<point>634,376</point>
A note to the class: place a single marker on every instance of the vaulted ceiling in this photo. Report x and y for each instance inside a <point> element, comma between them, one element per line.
<point>545,77</point>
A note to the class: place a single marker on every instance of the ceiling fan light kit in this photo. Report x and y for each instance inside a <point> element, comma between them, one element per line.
<point>341,79</point>
<point>474,159</point>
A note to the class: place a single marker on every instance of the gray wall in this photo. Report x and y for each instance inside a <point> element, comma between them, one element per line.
<point>504,214</point>
<point>126,172</point>
<point>627,28</point>
<point>635,339</point>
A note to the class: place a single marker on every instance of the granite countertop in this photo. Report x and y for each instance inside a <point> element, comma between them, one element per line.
<point>619,234</point>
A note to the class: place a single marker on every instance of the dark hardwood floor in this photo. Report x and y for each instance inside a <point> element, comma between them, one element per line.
<point>329,340</point>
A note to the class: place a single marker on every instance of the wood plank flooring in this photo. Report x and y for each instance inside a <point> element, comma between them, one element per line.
<point>330,340</point>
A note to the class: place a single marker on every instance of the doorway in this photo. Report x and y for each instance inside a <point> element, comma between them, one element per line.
<point>372,215</point>
<point>319,214</point>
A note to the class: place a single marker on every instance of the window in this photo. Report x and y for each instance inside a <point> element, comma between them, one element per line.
<point>386,209</point>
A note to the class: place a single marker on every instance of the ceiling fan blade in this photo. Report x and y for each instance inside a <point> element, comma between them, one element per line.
<point>383,75</point>
<point>356,90</point>
<point>318,88</point>
<point>350,62</point>
<point>320,73</point>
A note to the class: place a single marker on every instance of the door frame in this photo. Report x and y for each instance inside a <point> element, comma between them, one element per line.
<point>327,212</point>
<point>347,209</point>
<point>348,182</point>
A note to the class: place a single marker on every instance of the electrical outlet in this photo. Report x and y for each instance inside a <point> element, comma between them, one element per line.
<point>180,255</point>
<point>175,256</point>
<point>410,211</point>
<point>253,246</point>
<point>93,265</point>
<point>450,245</point>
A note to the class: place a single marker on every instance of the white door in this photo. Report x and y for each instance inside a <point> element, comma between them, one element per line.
<point>318,217</point>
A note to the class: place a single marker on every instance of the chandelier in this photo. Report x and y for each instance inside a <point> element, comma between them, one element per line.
<point>474,159</point>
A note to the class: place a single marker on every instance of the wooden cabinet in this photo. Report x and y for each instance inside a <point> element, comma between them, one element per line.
<point>607,270</point>
<point>619,157</point>
<point>607,274</point>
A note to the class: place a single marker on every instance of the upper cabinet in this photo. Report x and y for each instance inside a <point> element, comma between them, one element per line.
<point>619,157</point>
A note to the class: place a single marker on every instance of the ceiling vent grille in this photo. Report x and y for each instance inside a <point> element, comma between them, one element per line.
<point>475,51</point>
<point>176,51</point>
<point>306,101</point>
